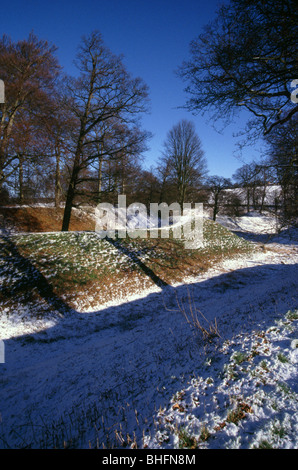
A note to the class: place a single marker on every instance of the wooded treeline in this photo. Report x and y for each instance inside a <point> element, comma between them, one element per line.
<point>79,140</point>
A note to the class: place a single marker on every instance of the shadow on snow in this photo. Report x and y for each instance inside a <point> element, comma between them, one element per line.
<point>130,353</point>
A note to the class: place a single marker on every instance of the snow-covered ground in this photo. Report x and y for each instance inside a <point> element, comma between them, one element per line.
<point>140,373</point>
<point>253,222</point>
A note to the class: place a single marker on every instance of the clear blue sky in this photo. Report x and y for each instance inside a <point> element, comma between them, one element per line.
<point>154,37</point>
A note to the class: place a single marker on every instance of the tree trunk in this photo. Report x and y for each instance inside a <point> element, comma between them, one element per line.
<point>1,171</point>
<point>68,207</point>
<point>2,161</point>
<point>57,179</point>
<point>215,207</point>
<point>181,192</point>
<point>100,163</point>
<point>21,179</point>
<point>248,199</point>
<point>71,191</point>
<point>100,160</point>
<point>263,197</point>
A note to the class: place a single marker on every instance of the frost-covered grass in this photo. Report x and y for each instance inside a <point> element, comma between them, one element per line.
<point>245,396</point>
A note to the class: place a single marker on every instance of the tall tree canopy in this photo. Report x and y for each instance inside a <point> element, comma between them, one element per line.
<point>246,58</point>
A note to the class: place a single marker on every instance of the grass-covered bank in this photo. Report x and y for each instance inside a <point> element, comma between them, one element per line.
<point>86,271</point>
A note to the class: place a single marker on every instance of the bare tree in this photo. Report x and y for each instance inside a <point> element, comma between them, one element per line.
<point>183,162</point>
<point>254,178</point>
<point>103,96</point>
<point>246,58</point>
<point>216,185</point>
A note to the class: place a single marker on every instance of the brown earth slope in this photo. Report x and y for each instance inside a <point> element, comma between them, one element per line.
<point>43,219</point>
